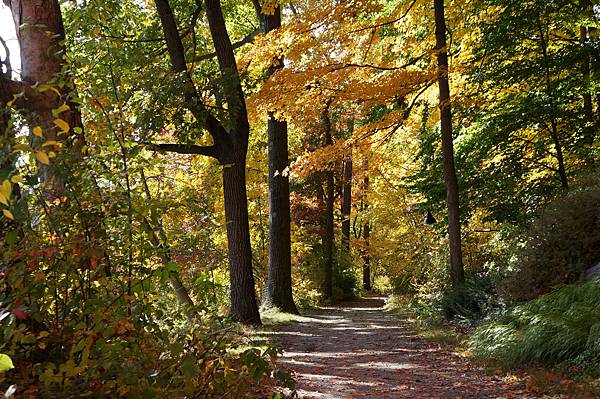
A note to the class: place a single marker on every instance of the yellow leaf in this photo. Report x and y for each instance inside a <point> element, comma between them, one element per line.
<point>63,125</point>
<point>37,131</point>
<point>51,154</point>
<point>49,142</point>
<point>3,199</point>
<point>5,189</point>
<point>16,179</point>
<point>42,157</point>
<point>60,110</point>
<point>8,214</point>
<point>43,88</point>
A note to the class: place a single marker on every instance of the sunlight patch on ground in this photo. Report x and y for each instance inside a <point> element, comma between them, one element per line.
<point>290,333</point>
<point>386,366</point>
<point>299,362</point>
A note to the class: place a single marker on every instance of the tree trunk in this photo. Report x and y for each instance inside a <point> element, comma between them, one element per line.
<point>347,202</point>
<point>562,171</point>
<point>278,291</point>
<point>366,257</point>
<point>244,307</point>
<point>588,131</point>
<point>41,63</point>
<point>452,197</point>
<point>230,149</point>
<point>160,243</point>
<point>328,237</point>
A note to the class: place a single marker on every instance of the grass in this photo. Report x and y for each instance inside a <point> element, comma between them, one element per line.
<point>560,328</point>
<point>273,317</point>
<point>430,328</point>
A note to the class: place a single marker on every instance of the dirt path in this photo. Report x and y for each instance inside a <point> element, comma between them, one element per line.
<point>358,351</point>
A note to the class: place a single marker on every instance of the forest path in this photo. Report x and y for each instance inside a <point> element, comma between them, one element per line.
<point>355,350</point>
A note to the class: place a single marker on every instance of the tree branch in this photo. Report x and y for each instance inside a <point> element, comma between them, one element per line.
<point>245,40</point>
<point>228,68</point>
<point>210,151</point>
<point>6,60</point>
<point>178,63</point>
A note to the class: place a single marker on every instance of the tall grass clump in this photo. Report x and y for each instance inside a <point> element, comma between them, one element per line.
<point>562,327</point>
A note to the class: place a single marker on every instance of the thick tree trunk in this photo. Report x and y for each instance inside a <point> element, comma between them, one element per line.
<point>41,63</point>
<point>278,291</point>
<point>279,281</point>
<point>452,197</point>
<point>347,202</point>
<point>229,148</point>
<point>244,307</point>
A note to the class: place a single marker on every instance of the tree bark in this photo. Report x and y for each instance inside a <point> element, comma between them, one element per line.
<point>347,202</point>
<point>244,307</point>
<point>328,237</point>
<point>366,257</point>
<point>230,148</point>
<point>452,191</point>
<point>278,291</point>
<point>40,30</point>
<point>588,131</point>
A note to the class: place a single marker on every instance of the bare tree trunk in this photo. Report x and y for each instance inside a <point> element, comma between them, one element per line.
<point>159,242</point>
<point>41,63</point>
<point>588,130</point>
<point>562,171</point>
<point>244,307</point>
<point>347,202</point>
<point>367,258</point>
<point>452,198</point>
<point>328,237</point>
<point>366,231</point>
<point>278,291</point>
<point>229,148</point>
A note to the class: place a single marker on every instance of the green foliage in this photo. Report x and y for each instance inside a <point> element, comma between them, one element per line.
<point>470,303</point>
<point>557,328</point>
<point>560,244</point>
<point>345,281</point>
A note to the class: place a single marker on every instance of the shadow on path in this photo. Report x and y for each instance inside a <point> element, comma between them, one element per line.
<point>357,351</point>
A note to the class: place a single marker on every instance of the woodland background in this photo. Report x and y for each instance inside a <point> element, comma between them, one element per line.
<point>169,166</point>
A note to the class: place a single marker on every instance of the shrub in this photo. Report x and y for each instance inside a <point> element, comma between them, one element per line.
<point>560,327</point>
<point>344,278</point>
<point>561,243</point>
<point>471,302</point>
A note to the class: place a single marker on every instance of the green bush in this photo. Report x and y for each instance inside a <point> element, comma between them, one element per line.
<point>345,282</point>
<point>562,327</point>
<point>471,302</point>
<point>560,244</point>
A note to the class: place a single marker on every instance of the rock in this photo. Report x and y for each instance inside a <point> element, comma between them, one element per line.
<point>592,273</point>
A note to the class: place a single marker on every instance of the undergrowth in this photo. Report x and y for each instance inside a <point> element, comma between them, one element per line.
<point>421,317</point>
<point>557,329</point>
